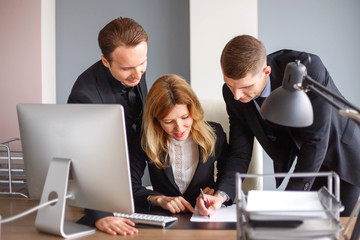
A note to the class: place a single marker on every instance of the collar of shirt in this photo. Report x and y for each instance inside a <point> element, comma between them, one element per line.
<point>267,89</point>
<point>186,141</point>
<point>265,93</point>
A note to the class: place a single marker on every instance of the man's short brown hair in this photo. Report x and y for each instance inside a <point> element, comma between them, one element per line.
<point>242,55</point>
<point>120,32</point>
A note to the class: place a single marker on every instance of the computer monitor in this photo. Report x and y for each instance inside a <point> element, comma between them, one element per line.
<point>77,149</point>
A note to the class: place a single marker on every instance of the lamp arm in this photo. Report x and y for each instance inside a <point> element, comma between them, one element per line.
<point>309,80</point>
<point>327,98</point>
<point>350,110</point>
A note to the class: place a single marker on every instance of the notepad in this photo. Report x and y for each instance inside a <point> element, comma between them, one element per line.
<point>223,214</point>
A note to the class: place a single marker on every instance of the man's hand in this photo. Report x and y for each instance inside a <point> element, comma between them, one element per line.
<point>213,202</point>
<point>116,225</point>
<point>208,191</point>
<point>173,204</point>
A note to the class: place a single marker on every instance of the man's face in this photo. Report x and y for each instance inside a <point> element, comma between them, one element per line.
<point>128,63</point>
<point>245,89</point>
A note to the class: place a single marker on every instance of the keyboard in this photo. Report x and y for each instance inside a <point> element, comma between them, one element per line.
<point>148,219</point>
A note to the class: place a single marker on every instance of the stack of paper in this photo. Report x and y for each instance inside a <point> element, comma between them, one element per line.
<point>284,205</point>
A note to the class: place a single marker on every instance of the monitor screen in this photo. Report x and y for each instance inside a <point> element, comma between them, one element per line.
<point>93,139</point>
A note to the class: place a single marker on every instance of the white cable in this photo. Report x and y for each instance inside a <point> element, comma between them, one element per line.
<point>20,215</point>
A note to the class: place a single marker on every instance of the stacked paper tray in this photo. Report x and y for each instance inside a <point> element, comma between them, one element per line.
<point>309,229</point>
<point>288,214</point>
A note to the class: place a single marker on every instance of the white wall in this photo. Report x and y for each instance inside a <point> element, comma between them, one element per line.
<point>48,52</point>
<point>212,24</point>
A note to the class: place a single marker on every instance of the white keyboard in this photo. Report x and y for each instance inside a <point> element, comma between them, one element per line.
<point>148,219</point>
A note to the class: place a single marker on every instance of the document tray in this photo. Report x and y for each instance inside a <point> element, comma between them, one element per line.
<point>289,214</point>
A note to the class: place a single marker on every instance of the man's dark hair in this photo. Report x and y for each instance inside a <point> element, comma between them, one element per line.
<point>120,32</point>
<point>242,55</point>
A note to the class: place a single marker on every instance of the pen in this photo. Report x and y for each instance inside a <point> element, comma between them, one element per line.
<point>203,198</point>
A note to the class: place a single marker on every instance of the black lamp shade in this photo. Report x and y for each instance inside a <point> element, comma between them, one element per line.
<point>288,108</point>
<point>288,105</point>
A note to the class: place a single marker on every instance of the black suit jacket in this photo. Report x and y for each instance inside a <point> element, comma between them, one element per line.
<point>332,140</point>
<point>94,86</point>
<point>163,182</point>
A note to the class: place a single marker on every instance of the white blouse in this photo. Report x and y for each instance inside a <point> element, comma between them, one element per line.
<point>184,158</point>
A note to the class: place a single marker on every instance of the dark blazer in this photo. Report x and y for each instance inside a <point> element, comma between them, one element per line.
<point>163,182</point>
<point>332,140</point>
<point>94,86</point>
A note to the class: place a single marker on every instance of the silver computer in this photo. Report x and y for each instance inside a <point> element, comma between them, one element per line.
<point>77,153</point>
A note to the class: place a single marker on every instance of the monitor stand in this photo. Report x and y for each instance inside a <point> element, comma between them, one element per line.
<point>50,219</point>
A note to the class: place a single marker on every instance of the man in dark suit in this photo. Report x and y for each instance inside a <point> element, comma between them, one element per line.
<point>118,78</point>
<point>331,143</point>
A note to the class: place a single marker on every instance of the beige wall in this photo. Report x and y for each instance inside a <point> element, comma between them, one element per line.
<point>212,24</point>
<point>20,61</point>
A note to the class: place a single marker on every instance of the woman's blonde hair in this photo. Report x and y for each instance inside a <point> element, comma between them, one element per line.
<point>166,92</point>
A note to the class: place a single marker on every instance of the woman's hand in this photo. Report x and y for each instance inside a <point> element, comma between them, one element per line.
<point>213,202</point>
<point>173,204</point>
<point>116,225</point>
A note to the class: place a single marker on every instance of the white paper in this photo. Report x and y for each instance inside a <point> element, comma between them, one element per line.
<point>284,205</point>
<point>223,214</point>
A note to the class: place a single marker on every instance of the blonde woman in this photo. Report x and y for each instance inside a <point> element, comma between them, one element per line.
<point>182,148</point>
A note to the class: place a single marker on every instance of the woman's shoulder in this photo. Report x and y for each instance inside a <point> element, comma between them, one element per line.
<point>219,133</point>
<point>216,126</point>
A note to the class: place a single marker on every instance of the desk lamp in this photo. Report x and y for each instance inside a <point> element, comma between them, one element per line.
<point>289,105</point>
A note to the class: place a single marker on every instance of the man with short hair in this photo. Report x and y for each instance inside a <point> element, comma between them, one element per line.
<point>331,143</point>
<point>118,78</point>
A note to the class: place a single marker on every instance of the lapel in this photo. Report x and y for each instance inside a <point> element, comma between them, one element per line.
<point>142,88</point>
<point>105,90</point>
<point>170,175</point>
<point>258,125</point>
<point>194,180</point>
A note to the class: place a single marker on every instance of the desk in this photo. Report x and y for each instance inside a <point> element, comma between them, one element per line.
<point>24,228</point>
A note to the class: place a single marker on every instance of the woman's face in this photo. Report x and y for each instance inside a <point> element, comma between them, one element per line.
<point>177,124</point>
